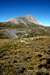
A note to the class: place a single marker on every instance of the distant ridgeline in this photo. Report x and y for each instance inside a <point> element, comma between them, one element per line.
<point>2,24</point>
<point>2,29</point>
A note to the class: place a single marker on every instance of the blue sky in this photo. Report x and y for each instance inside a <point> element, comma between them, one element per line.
<point>37,8</point>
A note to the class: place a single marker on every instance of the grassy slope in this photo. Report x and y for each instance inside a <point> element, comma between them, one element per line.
<point>25,56</point>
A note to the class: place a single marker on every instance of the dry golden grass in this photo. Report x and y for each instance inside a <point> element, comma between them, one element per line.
<point>26,56</point>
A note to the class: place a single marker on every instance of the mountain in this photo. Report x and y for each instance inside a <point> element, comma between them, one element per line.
<point>24,19</point>
<point>30,53</point>
<point>26,26</point>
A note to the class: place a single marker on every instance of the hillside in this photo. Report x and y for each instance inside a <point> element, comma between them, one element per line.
<point>22,29</point>
<point>24,47</point>
<point>26,56</point>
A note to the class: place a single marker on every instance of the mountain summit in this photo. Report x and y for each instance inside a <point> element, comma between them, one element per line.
<point>25,26</point>
<point>24,20</point>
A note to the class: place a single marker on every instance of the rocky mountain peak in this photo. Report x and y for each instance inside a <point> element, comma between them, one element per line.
<point>24,19</point>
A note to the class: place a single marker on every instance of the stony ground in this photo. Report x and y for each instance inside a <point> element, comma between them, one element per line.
<point>27,56</point>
